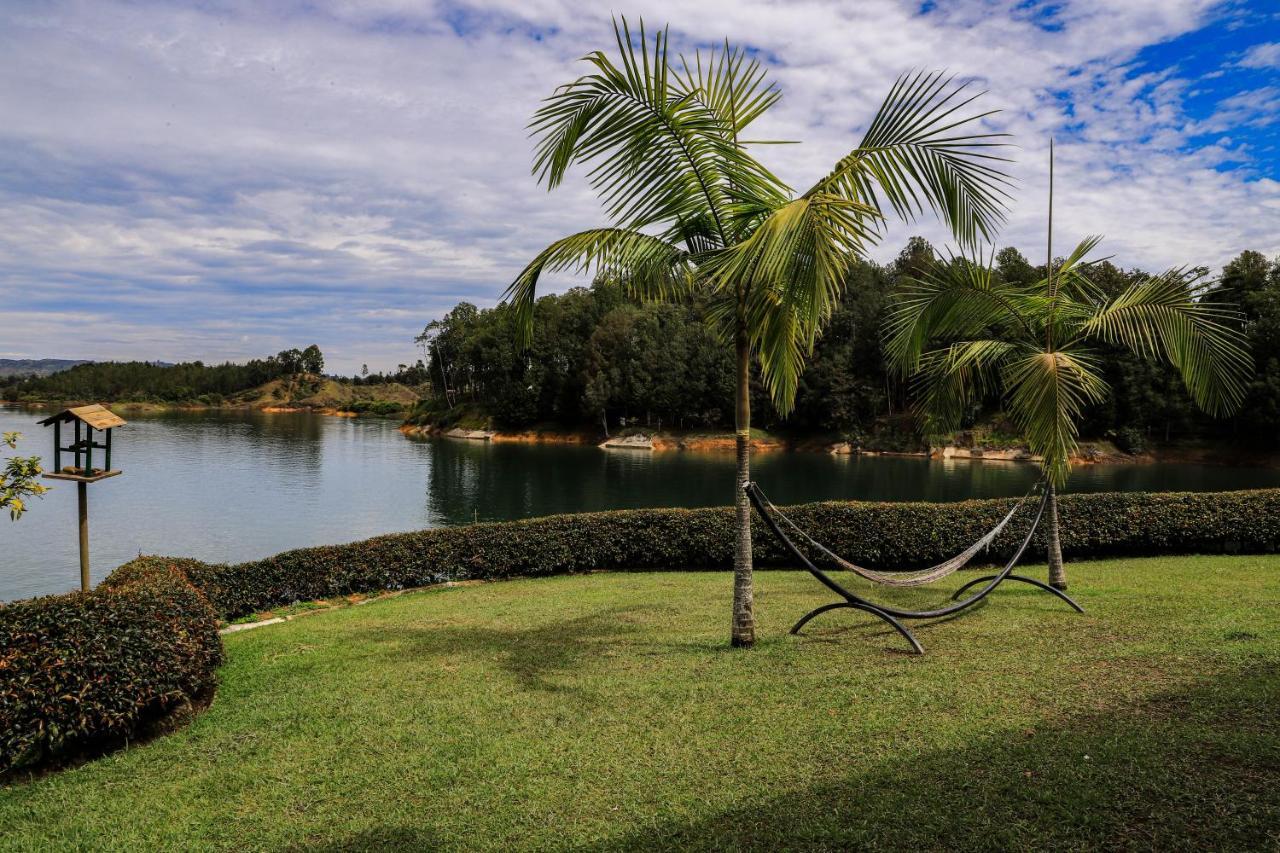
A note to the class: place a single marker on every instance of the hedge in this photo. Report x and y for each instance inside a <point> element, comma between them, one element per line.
<point>86,671</point>
<point>878,535</point>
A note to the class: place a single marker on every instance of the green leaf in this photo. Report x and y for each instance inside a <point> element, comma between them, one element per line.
<point>923,150</point>
<point>646,266</point>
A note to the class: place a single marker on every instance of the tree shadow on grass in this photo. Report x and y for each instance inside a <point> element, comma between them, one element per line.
<point>533,656</point>
<point>1189,769</point>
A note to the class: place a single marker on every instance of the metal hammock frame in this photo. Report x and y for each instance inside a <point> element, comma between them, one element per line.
<point>893,615</point>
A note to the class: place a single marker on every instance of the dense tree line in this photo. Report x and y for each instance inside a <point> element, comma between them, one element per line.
<point>406,374</point>
<point>143,381</point>
<point>601,358</point>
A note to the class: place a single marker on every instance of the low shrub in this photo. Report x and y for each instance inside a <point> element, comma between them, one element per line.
<point>85,671</point>
<point>1128,440</point>
<point>878,535</point>
<point>437,413</point>
<point>383,408</point>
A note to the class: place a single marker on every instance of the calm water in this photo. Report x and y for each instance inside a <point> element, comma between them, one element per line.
<point>235,486</point>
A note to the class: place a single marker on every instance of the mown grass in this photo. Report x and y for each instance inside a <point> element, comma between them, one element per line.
<point>605,712</point>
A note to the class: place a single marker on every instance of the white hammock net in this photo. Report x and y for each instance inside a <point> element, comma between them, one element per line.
<point>918,577</point>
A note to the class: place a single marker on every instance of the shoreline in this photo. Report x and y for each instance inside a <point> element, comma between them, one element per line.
<point>661,442</point>
<point>1090,452</point>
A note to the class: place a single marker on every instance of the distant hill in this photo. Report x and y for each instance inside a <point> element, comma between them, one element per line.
<point>275,382</point>
<point>36,366</point>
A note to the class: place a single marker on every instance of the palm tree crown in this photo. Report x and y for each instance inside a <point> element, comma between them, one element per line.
<point>965,334</point>
<point>689,206</point>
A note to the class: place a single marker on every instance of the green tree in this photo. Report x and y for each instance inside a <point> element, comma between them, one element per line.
<point>19,479</point>
<point>1015,268</point>
<point>691,209</point>
<point>312,360</point>
<point>845,387</point>
<point>1254,282</point>
<point>290,361</point>
<point>963,332</point>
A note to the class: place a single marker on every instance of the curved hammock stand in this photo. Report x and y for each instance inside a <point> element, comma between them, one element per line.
<point>893,615</point>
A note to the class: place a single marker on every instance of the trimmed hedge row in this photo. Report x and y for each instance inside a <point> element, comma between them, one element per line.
<point>878,535</point>
<point>84,671</point>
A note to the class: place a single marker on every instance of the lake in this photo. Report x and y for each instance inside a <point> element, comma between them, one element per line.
<point>230,486</point>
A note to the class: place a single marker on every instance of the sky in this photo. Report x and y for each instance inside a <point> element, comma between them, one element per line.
<point>221,180</point>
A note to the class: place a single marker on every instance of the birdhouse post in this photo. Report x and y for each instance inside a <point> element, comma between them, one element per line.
<point>85,419</point>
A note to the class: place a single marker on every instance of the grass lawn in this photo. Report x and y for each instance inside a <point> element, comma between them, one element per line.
<point>606,712</point>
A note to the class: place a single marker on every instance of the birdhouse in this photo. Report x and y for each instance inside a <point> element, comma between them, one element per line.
<point>85,420</point>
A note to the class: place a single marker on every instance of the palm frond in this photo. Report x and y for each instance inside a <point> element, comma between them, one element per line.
<point>959,298</point>
<point>657,152</point>
<point>1046,390</point>
<point>1166,317</point>
<point>788,274</point>
<point>646,267</point>
<point>922,150</point>
<point>1072,275</point>
<point>951,378</point>
<point>731,86</point>
<point>777,335</point>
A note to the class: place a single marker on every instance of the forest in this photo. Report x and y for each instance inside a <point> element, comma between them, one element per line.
<point>144,381</point>
<point>602,361</point>
<point>192,382</point>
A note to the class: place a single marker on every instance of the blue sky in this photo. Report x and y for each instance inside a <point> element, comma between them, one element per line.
<point>224,179</point>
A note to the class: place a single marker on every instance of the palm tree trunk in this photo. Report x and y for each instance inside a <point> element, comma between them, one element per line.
<point>1057,575</point>
<point>744,622</point>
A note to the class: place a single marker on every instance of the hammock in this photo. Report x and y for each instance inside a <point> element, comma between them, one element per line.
<point>770,514</point>
<point>918,577</point>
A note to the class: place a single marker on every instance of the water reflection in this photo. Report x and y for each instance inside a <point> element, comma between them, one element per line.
<point>235,486</point>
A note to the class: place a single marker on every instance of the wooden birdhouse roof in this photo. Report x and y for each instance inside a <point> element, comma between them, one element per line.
<point>96,416</point>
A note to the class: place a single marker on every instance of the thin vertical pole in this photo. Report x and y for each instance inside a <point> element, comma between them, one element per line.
<point>57,446</point>
<point>77,444</point>
<point>106,465</point>
<point>82,492</point>
<point>1049,260</point>
<point>88,451</point>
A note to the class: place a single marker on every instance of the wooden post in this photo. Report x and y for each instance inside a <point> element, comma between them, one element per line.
<point>82,492</point>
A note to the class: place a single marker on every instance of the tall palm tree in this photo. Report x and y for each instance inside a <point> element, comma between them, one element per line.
<point>690,208</point>
<point>965,335</point>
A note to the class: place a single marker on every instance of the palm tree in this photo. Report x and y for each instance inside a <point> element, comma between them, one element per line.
<point>965,335</point>
<point>691,209</point>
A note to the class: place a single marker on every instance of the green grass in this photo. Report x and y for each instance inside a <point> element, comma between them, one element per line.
<point>605,712</point>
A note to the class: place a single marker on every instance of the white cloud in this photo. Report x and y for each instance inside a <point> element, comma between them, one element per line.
<point>1261,56</point>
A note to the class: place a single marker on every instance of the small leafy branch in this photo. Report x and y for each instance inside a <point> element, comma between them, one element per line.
<point>18,480</point>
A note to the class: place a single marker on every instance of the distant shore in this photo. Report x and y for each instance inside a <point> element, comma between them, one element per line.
<point>1089,453</point>
<point>138,407</point>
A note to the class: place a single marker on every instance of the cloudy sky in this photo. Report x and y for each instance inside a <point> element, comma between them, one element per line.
<point>221,180</point>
